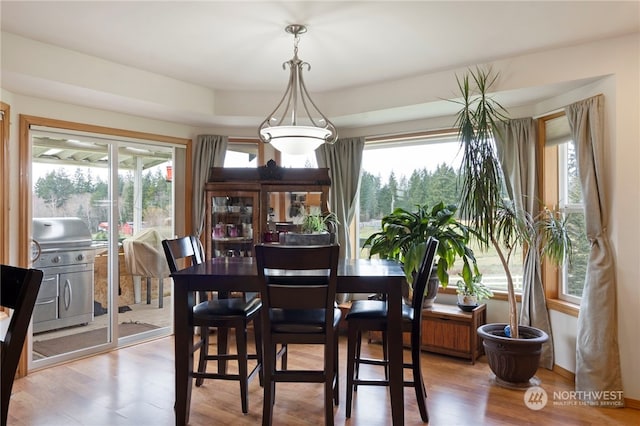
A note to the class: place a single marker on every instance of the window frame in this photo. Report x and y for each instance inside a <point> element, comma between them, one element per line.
<point>548,181</point>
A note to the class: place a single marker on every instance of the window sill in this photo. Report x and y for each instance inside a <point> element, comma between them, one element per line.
<point>497,295</point>
<point>553,304</point>
<point>563,306</point>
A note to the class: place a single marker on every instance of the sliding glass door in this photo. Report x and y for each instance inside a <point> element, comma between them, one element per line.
<point>100,208</point>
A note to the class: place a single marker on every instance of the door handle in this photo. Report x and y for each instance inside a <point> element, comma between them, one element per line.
<point>68,295</point>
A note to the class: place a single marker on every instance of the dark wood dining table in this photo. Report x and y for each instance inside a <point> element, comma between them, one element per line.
<point>227,274</point>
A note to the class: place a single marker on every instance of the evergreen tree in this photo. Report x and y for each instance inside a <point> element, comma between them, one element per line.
<point>369,188</point>
<point>55,188</point>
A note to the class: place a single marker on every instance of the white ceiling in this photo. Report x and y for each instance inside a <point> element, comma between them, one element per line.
<point>240,45</point>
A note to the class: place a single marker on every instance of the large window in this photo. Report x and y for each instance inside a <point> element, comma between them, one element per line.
<point>419,169</point>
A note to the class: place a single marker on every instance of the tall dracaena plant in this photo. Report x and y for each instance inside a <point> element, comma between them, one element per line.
<point>480,172</point>
<point>494,219</point>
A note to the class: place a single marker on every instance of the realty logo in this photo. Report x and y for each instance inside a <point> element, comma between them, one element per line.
<point>535,398</point>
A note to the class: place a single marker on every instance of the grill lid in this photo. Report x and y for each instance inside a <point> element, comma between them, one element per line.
<point>61,232</point>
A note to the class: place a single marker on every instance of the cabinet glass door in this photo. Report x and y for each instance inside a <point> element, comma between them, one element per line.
<point>233,225</point>
<point>287,209</point>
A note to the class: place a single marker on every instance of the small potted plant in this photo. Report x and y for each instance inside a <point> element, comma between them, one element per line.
<point>315,229</point>
<point>471,293</point>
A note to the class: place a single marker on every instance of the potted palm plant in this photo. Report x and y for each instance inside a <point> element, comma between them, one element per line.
<point>403,238</point>
<point>512,350</point>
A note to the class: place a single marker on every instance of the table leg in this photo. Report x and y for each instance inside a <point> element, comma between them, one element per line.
<point>183,338</point>
<point>394,334</point>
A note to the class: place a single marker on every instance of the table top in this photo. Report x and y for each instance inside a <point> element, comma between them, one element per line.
<point>234,273</point>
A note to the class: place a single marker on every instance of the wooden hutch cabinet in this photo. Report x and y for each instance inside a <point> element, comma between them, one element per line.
<point>246,206</point>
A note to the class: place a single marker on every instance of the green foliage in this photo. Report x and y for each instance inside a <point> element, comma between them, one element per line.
<point>474,287</point>
<point>55,188</point>
<point>317,223</point>
<point>404,234</point>
<point>480,171</point>
<point>481,203</point>
<point>421,187</point>
<point>71,196</point>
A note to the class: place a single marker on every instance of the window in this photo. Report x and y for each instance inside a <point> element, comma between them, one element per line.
<point>419,169</point>
<point>572,207</point>
<point>563,189</point>
<point>244,153</point>
<point>301,161</point>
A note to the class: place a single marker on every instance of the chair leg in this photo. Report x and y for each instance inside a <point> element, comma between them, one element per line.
<point>5,396</point>
<point>352,343</point>
<point>204,353</point>
<point>418,382</point>
<point>336,374</point>
<point>241,345</point>
<point>358,343</point>
<point>160,293</point>
<point>268,364</point>
<point>257,329</point>
<point>285,351</point>
<point>328,386</point>
<point>385,355</point>
<point>223,348</point>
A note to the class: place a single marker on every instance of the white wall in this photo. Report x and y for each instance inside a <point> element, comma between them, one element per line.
<point>614,62</point>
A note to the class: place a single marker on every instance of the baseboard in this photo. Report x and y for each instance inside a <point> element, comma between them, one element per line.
<point>564,373</point>
<point>632,403</point>
<point>628,402</point>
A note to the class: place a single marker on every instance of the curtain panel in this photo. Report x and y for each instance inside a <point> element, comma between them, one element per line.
<point>209,151</point>
<point>344,160</point>
<point>597,352</point>
<point>516,142</point>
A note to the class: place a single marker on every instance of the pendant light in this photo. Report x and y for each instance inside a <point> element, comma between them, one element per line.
<point>296,126</point>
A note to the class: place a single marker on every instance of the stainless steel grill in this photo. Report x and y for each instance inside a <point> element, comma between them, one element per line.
<point>67,260</point>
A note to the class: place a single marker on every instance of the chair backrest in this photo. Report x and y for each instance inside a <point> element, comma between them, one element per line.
<point>422,279</point>
<point>182,248</point>
<point>18,291</point>
<point>298,277</point>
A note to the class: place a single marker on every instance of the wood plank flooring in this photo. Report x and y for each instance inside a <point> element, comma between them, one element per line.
<point>134,386</point>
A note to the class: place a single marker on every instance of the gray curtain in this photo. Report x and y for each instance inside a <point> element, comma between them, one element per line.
<point>344,160</point>
<point>516,142</point>
<point>209,152</point>
<point>597,354</point>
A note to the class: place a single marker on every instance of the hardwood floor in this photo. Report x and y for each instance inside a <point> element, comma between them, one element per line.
<point>134,386</point>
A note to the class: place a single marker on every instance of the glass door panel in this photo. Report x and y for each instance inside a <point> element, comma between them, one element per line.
<point>234,223</point>
<point>70,216</point>
<point>290,207</point>
<point>145,218</point>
